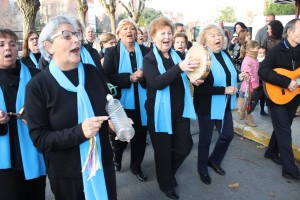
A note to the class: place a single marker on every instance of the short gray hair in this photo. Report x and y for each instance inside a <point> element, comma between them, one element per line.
<point>50,29</point>
<point>290,25</point>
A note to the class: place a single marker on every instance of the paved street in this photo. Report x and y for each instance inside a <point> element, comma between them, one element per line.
<point>259,178</point>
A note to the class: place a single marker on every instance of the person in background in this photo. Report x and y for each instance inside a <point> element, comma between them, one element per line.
<point>285,55</point>
<point>22,166</point>
<point>226,33</point>
<point>234,43</point>
<point>88,54</point>
<point>91,38</point>
<point>250,66</point>
<point>169,104</point>
<point>262,35</point>
<point>180,42</point>
<point>65,110</point>
<point>30,51</point>
<point>243,37</point>
<point>140,36</point>
<point>106,40</point>
<point>262,101</point>
<point>275,30</point>
<point>146,38</point>
<point>179,27</point>
<point>123,66</point>
<point>213,100</point>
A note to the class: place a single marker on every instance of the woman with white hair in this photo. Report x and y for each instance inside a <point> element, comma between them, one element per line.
<point>213,102</point>
<point>67,120</point>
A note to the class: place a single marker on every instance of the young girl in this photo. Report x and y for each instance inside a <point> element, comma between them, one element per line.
<point>261,53</point>
<point>250,65</point>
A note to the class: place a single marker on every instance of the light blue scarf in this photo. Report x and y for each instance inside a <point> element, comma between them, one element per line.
<point>162,109</point>
<point>219,102</point>
<point>86,56</point>
<point>94,188</point>
<point>33,161</point>
<point>32,57</point>
<point>127,94</point>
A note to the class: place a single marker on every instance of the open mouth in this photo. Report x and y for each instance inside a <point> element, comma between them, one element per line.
<point>8,56</point>
<point>76,50</point>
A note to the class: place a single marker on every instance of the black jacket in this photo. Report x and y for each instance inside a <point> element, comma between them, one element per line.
<point>53,119</point>
<point>280,57</point>
<point>9,83</point>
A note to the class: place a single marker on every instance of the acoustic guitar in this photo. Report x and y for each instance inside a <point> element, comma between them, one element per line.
<point>281,95</point>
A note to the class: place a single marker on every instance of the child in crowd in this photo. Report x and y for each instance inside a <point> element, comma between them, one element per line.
<point>261,53</point>
<point>250,65</point>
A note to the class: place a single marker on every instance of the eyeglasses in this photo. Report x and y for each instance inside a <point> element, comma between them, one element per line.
<point>34,38</point>
<point>68,35</point>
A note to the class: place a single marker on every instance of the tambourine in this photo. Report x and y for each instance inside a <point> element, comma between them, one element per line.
<point>202,53</point>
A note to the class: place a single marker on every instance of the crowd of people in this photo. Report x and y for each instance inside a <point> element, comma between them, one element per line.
<point>61,83</point>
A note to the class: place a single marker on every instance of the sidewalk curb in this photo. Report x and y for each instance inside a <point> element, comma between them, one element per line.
<point>259,136</point>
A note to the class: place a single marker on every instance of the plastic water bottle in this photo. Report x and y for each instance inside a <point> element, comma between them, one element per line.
<point>120,121</point>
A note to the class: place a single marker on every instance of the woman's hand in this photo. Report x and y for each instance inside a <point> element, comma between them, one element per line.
<point>189,64</point>
<point>196,82</point>
<point>230,90</point>
<point>4,118</point>
<point>91,126</point>
<point>137,75</point>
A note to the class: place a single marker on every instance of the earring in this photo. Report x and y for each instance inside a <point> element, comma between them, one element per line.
<point>51,51</point>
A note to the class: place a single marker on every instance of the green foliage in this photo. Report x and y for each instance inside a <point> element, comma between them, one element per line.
<point>148,15</point>
<point>280,9</point>
<point>227,14</point>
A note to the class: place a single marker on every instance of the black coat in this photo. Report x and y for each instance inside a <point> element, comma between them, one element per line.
<point>28,62</point>
<point>9,83</point>
<point>280,57</point>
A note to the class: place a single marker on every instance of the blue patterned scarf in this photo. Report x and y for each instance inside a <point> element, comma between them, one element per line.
<point>32,159</point>
<point>127,94</point>
<point>162,109</point>
<point>95,187</point>
<point>219,102</point>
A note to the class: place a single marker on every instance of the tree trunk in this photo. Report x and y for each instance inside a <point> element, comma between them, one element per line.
<point>110,9</point>
<point>28,9</point>
<point>82,10</point>
<point>112,22</point>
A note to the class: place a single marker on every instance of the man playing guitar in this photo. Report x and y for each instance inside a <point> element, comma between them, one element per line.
<point>285,55</point>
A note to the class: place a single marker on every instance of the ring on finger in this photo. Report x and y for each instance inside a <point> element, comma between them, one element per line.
<point>100,122</point>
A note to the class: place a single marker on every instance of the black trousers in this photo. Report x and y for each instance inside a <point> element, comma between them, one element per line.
<point>13,186</point>
<point>138,143</point>
<point>170,150</point>
<point>281,139</point>
<point>72,188</point>
<point>226,133</point>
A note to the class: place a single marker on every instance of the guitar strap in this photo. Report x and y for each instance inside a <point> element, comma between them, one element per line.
<point>291,52</point>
